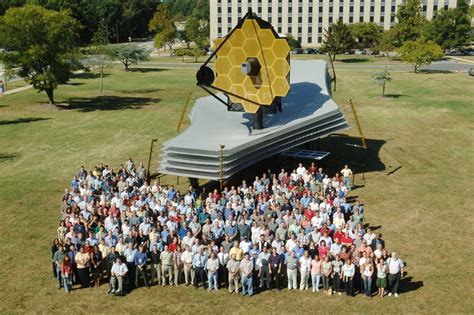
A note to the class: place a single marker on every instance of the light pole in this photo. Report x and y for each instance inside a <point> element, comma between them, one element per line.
<point>149,160</point>
<point>221,146</point>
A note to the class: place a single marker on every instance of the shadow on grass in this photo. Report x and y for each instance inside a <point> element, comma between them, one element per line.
<point>88,75</point>
<point>22,120</point>
<point>146,70</point>
<point>107,103</point>
<point>394,95</point>
<point>407,285</point>
<point>7,157</point>
<point>354,60</point>
<point>138,91</point>
<point>428,71</point>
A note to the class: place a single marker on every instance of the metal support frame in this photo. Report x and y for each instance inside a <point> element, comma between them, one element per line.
<point>221,160</point>
<point>149,160</point>
<point>359,127</point>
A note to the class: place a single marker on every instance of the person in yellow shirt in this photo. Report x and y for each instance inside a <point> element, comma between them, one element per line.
<point>347,173</point>
<point>236,251</point>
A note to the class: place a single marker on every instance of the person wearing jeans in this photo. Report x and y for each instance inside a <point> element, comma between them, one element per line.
<point>326,271</point>
<point>66,273</point>
<point>212,267</point>
<point>58,258</point>
<point>246,268</point>
<point>316,265</point>
<point>367,277</point>
<point>305,268</point>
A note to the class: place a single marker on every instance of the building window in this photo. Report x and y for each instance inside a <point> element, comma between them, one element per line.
<point>310,40</point>
<point>290,20</point>
<point>361,19</point>
<point>351,19</point>
<point>229,9</point>
<point>371,19</point>
<point>279,9</point>
<point>330,19</point>
<point>341,9</point>
<point>320,30</point>
<point>361,9</point>
<point>259,9</point>
<point>299,39</point>
<point>320,19</point>
<point>300,29</point>
<point>300,19</point>
<point>382,19</point>
<point>310,30</point>
<point>279,29</point>
<point>424,8</point>
<point>310,19</point>
<point>330,9</point>
<point>229,20</point>
<point>393,8</point>
<point>270,19</point>
<point>446,6</point>
<point>219,30</point>
<point>290,9</point>
<point>289,29</point>
<point>219,10</point>
<point>392,19</point>
<point>435,8</point>
<point>382,9</point>
<point>300,9</point>
<point>269,9</point>
<point>279,19</point>
<point>372,8</point>
<point>320,39</point>
<point>219,20</point>
<point>310,9</point>
<point>351,9</point>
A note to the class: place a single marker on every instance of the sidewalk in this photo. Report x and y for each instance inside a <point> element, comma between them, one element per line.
<point>461,59</point>
<point>13,91</point>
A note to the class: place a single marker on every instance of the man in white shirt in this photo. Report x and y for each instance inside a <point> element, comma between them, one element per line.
<point>305,268</point>
<point>187,259</point>
<point>346,174</point>
<point>300,170</point>
<point>118,272</point>
<point>395,272</point>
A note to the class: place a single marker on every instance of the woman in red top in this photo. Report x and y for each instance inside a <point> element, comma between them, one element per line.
<point>66,272</point>
<point>323,249</point>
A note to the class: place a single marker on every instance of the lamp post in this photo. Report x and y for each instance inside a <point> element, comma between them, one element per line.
<point>149,160</point>
<point>221,146</point>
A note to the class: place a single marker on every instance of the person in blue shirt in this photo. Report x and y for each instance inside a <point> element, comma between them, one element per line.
<point>75,183</point>
<point>140,263</point>
<point>171,193</point>
<point>199,263</point>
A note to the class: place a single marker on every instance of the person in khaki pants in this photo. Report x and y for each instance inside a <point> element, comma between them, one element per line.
<point>187,259</point>
<point>234,277</point>
<point>166,265</point>
<point>177,264</point>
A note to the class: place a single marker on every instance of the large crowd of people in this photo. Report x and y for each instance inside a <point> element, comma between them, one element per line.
<point>287,230</point>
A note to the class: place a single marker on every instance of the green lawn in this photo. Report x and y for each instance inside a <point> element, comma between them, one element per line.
<point>425,126</point>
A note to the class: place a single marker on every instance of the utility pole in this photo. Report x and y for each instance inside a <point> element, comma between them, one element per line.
<point>149,160</point>
<point>221,158</point>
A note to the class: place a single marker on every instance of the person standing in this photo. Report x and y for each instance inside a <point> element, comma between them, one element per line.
<point>223,258</point>
<point>177,264</point>
<point>140,263</point>
<point>246,268</point>
<point>96,265</point>
<point>155,265</point>
<point>82,261</point>
<point>395,271</point>
<point>58,258</point>
<point>166,258</point>
<point>367,272</point>
<point>66,273</point>
<point>117,274</point>
<point>212,267</point>
<point>187,258</point>
<point>233,267</point>
<point>347,173</point>
<point>316,265</point>
<point>129,253</point>
<point>348,273</point>
<point>275,269</point>
<point>305,269</point>
<point>264,272</point>
<point>292,270</point>
<point>199,263</point>
<point>336,275</point>
<point>326,271</point>
<point>382,271</point>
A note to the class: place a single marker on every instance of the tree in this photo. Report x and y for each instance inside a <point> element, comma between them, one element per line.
<point>420,52</point>
<point>387,41</point>
<point>292,42</point>
<point>41,43</point>
<point>382,78</point>
<point>100,54</point>
<point>162,24</point>
<point>196,53</point>
<point>410,23</point>
<point>450,28</point>
<point>195,32</point>
<point>337,40</point>
<point>129,54</point>
<point>367,35</point>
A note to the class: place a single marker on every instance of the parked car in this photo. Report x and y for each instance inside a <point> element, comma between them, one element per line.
<point>359,52</point>
<point>309,51</point>
<point>297,51</point>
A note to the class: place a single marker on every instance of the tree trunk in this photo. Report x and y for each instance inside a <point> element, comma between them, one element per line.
<point>383,90</point>
<point>126,65</point>
<point>415,68</point>
<point>50,93</point>
<point>333,72</point>
<point>101,79</point>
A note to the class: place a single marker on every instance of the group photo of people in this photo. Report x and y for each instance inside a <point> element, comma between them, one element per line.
<point>296,229</point>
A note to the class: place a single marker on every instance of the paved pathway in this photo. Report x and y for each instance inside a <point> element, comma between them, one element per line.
<point>13,91</point>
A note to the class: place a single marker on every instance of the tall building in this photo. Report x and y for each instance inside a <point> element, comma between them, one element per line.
<point>307,19</point>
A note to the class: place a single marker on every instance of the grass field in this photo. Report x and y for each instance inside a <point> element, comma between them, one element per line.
<point>424,208</point>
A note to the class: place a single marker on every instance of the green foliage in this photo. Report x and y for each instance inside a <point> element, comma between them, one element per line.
<point>190,52</point>
<point>420,52</point>
<point>195,32</point>
<point>367,35</point>
<point>162,24</point>
<point>337,39</point>
<point>410,23</point>
<point>292,42</point>
<point>381,78</point>
<point>387,41</point>
<point>129,54</point>
<point>198,9</point>
<point>41,43</point>
<point>450,28</point>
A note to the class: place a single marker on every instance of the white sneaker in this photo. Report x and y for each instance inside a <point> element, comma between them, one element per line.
<point>314,290</point>
<point>396,294</point>
<point>340,293</point>
<point>390,294</point>
<point>317,290</point>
